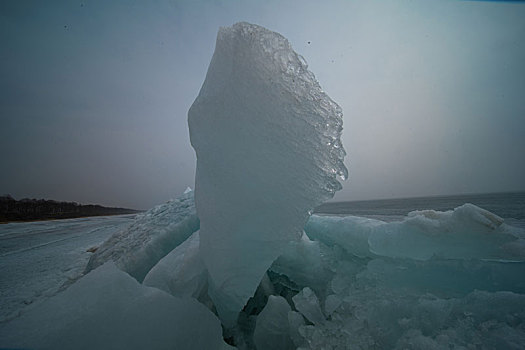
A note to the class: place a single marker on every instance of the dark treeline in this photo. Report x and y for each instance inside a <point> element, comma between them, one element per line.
<point>42,209</point>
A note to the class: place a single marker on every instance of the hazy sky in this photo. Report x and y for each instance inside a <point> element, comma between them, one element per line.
<point>94,94</point>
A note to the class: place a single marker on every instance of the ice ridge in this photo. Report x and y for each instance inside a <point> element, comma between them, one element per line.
<point>137,248</point>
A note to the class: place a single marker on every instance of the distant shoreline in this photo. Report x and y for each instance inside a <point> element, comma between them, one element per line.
<point>28,210</point>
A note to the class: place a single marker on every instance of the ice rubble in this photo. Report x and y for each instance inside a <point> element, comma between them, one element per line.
<point>108,309</point>
<point>268,147</point>
<point>435,280</point>
<point>149,238</point>
<point>321,293</point>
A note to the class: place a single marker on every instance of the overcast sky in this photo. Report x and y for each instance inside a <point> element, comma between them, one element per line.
<point>94,94</point>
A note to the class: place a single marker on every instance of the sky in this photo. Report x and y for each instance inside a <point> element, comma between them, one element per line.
<point>94,95</point>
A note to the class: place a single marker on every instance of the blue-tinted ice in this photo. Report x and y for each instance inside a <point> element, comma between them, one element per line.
<point>268,147</point>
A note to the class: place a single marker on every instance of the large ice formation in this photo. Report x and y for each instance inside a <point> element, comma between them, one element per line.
<point>268,147</point>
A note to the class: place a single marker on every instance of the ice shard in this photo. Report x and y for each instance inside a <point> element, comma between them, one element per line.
<point>137,248</point>
<point>182,272</point>
<point>307,304</point>
<point>272,330</point>
<point>267,140</point>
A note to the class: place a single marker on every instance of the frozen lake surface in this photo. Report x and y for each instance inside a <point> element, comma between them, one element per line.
<point>348,276</point>
<point>38,258</point>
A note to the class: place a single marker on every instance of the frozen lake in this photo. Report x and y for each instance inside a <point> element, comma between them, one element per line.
<point>363,292</point>
<point>38,258</point>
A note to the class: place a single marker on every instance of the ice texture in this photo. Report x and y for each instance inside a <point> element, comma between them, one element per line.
<point>305,263</point>
<point>272,331</point>
<point>386,318</point>
<point>343,300</point>
<point>267,140</point>
<point>296,322</point>
<point>108,309</point>
<point>348,232</point>
<point>137,248</point>
<point>182,272</point>
<point>307,304</point>
<point>60,250</point>
<point>451,280</point>
<point>466,232</point>
<point>331,303</point>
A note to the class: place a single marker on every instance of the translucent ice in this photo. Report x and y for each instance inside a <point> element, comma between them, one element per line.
<point>348,232</point>
<point>463,233</point>
<point>272,330</point>
<point>295,322</point>
<point>307,304</point>
<point>149,238</point>
<point>108,309</point>
<point>446,277</point>
<point>305,262</point>
<point>433,280</point>
<point>331,303</point>
<point>181,272</point>
<point>268,147</point>
<point>373,317</point>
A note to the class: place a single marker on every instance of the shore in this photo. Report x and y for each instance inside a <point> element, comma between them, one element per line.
<point>26,210</point>
<point>66,218</point>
